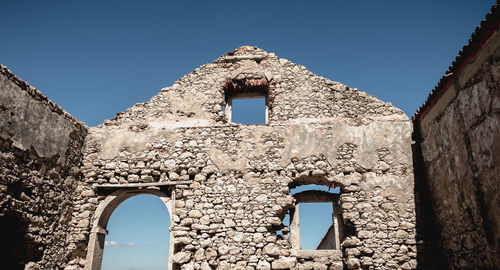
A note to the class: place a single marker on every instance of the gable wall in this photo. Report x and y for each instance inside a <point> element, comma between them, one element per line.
<point>228,215</point>
<point>294,93</point>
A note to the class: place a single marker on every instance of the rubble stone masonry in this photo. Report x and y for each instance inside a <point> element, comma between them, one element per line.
<point>40,155</point>
<point>229,184</point>
<point>459,141</point>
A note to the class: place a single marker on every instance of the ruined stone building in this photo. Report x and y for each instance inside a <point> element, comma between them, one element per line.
<point>457,157</point>
<point>413,194</point>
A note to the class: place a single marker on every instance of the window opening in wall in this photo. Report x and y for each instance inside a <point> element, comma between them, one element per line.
<point>249,111</point>
<point>224,106</point>
<point>246,101</point>
<point>138,235</point>
<point>316,221</point>
<point>286,226</point>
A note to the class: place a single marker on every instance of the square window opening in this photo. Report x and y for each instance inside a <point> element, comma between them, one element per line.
<point>248,111</point>
<point>246,101</point>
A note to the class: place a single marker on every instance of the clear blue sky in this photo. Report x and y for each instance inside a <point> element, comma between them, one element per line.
<point>138,237</point>
<point>97,58</point>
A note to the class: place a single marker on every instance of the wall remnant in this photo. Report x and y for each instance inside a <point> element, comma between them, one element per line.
<point>231,182</point>
<point>227,185</point>
<point>458,155</point>
<point>41,148</point>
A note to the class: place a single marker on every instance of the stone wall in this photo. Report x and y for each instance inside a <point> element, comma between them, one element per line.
<point>459,145</point>
<point>227,185</point>
<point>230,183</point>
<point>40,154</point>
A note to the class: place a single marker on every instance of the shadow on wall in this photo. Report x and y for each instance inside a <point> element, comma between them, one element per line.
<point>430,254</point>
<point>18,247</point>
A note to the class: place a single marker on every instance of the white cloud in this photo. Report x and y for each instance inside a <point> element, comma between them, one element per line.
<point>116,244</point>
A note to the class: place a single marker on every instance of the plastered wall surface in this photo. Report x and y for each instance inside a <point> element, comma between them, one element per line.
<point>40,154</point>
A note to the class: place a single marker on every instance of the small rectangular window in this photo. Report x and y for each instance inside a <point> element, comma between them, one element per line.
<point>248,111</point>
<point>246,101</point>
<point>315,221</point>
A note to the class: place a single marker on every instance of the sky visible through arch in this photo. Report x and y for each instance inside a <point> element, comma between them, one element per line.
<point>138,235</point>
<point>97,58</point>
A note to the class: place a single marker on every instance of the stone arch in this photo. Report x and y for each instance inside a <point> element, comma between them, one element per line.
<point>103,213</point>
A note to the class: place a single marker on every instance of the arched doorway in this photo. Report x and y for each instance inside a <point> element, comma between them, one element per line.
<point>102,216</point>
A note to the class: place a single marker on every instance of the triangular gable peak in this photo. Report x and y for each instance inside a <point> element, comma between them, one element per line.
<point>293,93</point>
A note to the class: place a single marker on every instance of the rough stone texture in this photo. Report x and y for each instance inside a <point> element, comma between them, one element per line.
<point>319,132</point>
<point>40,153</point>
<point>459,154</point>
<point>228,185</point>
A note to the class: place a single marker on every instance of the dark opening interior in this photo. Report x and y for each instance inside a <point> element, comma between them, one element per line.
<point>18,248</point>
